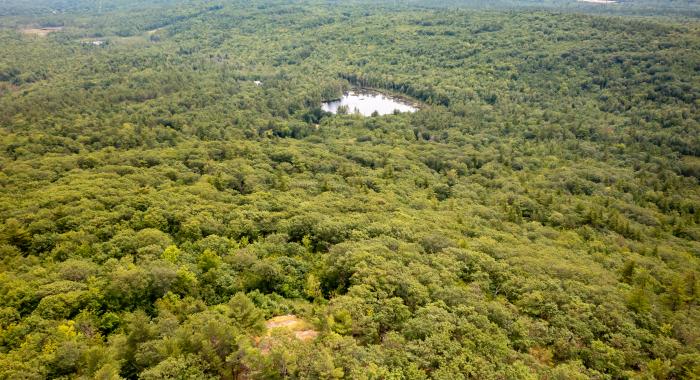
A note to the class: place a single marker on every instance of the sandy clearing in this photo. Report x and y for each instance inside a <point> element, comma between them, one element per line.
<point>41,32</point>
<point>300,328</point>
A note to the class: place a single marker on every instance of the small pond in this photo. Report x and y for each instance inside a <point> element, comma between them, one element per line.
<point>366,103</point>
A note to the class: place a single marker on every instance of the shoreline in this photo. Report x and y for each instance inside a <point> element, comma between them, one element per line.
<point>374,91</point>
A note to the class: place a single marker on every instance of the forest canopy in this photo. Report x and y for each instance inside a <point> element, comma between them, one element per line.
<point>171,190</point>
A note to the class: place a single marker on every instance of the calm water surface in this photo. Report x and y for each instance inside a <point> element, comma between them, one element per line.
<point>367,103</point>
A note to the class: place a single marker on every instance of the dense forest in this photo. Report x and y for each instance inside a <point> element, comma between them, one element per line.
<point>169,185</point>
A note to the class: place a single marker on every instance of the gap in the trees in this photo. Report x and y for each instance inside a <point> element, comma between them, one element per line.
<point>367,103</point>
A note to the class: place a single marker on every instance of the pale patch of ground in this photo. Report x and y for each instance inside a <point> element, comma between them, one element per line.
<point>306,335</point>
<point>41,32</point>
<point>7,88</point>
<point>301,329</point>
<point>93,42</point>
<point>289,321</point>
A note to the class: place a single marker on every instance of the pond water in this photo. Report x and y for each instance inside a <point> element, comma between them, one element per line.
<point>367,103</point>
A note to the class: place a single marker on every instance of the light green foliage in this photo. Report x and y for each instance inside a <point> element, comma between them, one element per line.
<point>171,254</point>
<point>177,368</point>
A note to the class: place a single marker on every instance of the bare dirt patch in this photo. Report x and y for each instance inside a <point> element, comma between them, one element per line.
<point>301,329</point>
<point>8,87</point>
<point>306,335</point>
<point>288,321</point>
<point>41,32</point>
